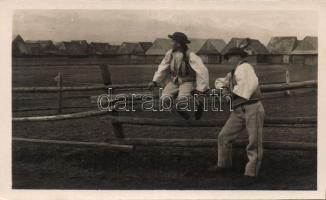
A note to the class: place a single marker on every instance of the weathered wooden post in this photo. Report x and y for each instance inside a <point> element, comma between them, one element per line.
<point>106,76</point>
<point>117,129</point>
<point>287,80</point>
<point>58,78</point>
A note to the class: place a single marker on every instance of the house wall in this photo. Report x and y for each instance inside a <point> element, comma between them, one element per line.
<point>262,59</point>
<point>311,60</point>
<point>305,59</point>
<point>154,59</point>
<point>210,59</point>
<point>250,59</point>
<point>136,59</point>
<point>121,59</point>
<point>278,59</point>
<point>297,59</point>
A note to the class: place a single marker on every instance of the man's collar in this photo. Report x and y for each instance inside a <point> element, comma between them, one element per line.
<point>242,61</point>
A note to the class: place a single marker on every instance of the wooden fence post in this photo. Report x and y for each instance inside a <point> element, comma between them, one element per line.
<point>117,129</point>
<point>287,80</point>
<point>106,76</point>
<point>59,94</point>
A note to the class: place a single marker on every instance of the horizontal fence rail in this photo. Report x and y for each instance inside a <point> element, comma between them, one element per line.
<point>161,122</point>
<point>60,117</point>
<point>78,88</point>
<point>207,123</point>
<point>264,88</point>
<point>119,147</point>
<point>289,86</point>
<point>276,145</point>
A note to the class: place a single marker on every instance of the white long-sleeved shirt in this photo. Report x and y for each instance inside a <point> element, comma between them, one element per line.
<point>246,81</point>
<point>202,78</point>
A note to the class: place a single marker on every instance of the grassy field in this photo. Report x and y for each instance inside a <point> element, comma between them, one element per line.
<point>25,76</point>
<point>54,167</point>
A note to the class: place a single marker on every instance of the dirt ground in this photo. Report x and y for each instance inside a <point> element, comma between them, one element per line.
<point>58,167</point>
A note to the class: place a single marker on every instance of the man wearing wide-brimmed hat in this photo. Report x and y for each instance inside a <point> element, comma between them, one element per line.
<point>248,114</point>
<point>186,71</point>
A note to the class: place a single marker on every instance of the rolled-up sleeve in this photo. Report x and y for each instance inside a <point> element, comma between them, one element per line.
<point>202,78</point>
<point>163,68</point>
<point>247,81</point>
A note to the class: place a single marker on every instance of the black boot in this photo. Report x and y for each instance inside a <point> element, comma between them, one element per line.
<point>183,114</point>
<point>200,111</point>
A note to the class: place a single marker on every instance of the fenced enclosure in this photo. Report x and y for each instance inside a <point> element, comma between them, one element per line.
<point>70,88</point>
<point>57,124</point>
<point>127,144</point>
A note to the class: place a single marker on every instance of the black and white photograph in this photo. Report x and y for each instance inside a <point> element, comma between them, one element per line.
<point>165,99</point>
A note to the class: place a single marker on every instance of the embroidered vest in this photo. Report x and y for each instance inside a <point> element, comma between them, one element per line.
<point>182,71</point>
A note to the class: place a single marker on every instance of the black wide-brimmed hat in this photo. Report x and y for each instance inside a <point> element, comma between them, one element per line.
<point>180,37</point>
<point>236,51</point>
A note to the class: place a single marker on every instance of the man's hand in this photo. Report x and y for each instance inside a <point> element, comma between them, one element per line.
<point>151,85</point>
<point>200,92</point>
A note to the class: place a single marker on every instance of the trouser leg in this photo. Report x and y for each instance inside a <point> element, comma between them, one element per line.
<point>184,100</point>
<point>184,90</point>
<point>230,131</point>
<point>168,93</point>
<point>254,125</point>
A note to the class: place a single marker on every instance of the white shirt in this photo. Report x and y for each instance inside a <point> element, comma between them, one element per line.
<point>246,78</point>
<point>202,78</point>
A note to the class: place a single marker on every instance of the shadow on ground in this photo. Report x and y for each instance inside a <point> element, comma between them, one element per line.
<point>54,167</point>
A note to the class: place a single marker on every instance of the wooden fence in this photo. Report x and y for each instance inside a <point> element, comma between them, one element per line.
<point>287,86</point>
<point>107,83</point>
<point>127,144</point>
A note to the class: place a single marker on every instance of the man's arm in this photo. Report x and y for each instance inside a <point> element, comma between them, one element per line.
<point>161,72</point>
<point>202,78</point>
<point>247,81</point>
<point>223,82</point>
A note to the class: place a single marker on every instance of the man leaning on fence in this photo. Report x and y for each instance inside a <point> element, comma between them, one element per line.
<point>248,114</point>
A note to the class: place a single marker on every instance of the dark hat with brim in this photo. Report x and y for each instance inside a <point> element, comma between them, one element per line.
<point>236,51</point>
<point>179,37</point>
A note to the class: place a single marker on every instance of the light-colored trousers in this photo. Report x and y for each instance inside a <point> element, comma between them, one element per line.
<point>251,118</point>
<point>183,89</point>
<point>180,90</point>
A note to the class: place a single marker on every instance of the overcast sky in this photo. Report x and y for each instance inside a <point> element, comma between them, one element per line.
<point>116,26</point>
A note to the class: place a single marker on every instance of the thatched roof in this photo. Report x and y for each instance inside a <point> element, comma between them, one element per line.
<point>74,48</point>
<point>100,48</point>
<point>77,48</point>
<point>18,39</point>
<point>46,46</point>
<point>113,49</point>
<point>128,48</point>
<point>61,47</point>
<point>282,45</point>
<point>195,44</point>
<point>234,42</point>
<point>146,45</point>
<point>309,45</point>
<point>19,47</point>
<point>212,46</point>
<point>255,46</point>
<point>35,49</point>
<point>160,47</point>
